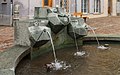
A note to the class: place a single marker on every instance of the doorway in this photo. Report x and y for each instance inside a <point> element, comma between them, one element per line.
<point>109,7</point>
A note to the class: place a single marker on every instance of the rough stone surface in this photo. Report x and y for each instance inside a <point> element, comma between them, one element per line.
<point>60,40</point>
<point>21,33</point>
<point>10,58</point>
<point>7,72</point>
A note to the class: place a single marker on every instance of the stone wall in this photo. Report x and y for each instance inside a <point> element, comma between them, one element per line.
<point>21,34</point>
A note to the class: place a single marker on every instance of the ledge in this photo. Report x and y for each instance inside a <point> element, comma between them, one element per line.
<point>112,37</point>
<point>10,58</point>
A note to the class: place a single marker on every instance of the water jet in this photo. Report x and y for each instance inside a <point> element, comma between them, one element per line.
<point>102,47</point>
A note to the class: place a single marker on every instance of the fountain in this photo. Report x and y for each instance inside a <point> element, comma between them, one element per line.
<point>56,65</point>
<point>47,19</point>
<point>102,47</point>
<point>35,37</point>
<point>57,24</point>
<point>39,35</point>
<point>57,18</point>
<point>77,29</point>
<point>79,26</point>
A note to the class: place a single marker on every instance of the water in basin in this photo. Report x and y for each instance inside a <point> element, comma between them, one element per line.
<point>99,62</point>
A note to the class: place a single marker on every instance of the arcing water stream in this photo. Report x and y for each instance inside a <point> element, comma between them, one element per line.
<point>78,53</point>
<point>54,53</point>
<point>98,43</point>
<point>56,65</point>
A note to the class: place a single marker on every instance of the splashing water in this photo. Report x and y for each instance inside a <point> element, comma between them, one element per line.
<point>56,65</point>
<point>99,46</point>
<point>95,35</point>
<point>103,47</point>
<point>78,53</point>
<point>59,65</point>
<point>54,53</point>
<point>75,40</point>
<point>82,53</point>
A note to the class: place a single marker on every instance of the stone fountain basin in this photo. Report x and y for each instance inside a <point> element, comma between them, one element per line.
<point>98,62</point>
<point>11,57</point>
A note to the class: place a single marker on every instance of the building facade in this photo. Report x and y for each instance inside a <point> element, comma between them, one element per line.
<point>90,8</point>
<point>93,8</point>
<point>5,12</point>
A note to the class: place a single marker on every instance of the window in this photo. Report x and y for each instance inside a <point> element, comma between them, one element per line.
<point>61,3</point>
<point>4,9</point>
<point>65,4</point>
<point>47,3</point>
<point>97,6</point>
<point>84,6</point>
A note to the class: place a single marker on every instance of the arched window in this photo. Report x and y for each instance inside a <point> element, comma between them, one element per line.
<point>97,6</point>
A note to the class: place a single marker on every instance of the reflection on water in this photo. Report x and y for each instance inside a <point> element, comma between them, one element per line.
<point>99,62</point>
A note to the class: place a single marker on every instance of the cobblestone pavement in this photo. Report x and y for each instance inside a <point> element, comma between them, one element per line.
<point>105,25</point>
<point>6,37</point>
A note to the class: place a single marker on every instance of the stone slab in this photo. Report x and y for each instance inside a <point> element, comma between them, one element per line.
<point>112,37</point>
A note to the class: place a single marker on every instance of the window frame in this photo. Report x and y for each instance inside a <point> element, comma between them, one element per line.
<point>85,6</point>
<point>97,6</point>
<point>64,4</point>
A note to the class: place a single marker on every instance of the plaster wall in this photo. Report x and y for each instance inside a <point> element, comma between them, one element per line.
<point>114,7</point>
<point>5,12</point>
<point>105,10</point>
<point>26,8</point>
